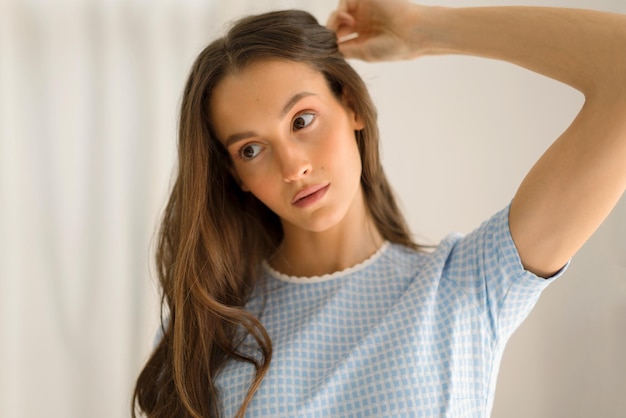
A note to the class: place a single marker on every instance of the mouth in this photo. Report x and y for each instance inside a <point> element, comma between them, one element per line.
<point>309,195</point>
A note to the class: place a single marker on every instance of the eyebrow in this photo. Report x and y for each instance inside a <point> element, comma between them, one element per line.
<point>286,108</point>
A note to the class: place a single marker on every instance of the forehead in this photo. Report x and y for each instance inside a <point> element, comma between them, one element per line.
<point>268,76</point>
<point>262,89</point>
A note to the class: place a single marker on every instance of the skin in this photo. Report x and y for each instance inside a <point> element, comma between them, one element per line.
<point>288,134</point>
<point>573,187</point>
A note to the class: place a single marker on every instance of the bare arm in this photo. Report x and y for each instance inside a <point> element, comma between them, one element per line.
<point>580,178</point>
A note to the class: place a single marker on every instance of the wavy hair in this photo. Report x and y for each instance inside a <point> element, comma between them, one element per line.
<point>213,236</point>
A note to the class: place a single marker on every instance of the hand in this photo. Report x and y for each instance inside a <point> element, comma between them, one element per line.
<point>386,29</point>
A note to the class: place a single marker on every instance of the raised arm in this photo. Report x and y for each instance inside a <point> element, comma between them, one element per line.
<point>576,183</point>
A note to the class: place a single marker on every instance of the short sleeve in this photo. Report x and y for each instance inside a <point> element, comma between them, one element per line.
<point>487,267</point>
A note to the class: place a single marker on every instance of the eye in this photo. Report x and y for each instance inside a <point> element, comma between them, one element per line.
<point>249,151</point>
<point>303,120</point>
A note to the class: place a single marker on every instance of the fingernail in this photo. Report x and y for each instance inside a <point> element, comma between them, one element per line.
<point>347,37</point>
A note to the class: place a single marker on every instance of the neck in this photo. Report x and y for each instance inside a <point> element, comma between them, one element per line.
<point>305,253</point>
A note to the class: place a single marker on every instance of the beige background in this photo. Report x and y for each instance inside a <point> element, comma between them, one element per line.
<point>89,92</point>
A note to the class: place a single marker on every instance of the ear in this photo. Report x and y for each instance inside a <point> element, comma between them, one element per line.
<point>355,118</point>
<point>358,124</point>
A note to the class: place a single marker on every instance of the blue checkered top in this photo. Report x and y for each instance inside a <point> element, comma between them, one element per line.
<point>403,334</point>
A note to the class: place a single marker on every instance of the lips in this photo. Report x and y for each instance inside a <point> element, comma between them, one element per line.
<point>310,195</point>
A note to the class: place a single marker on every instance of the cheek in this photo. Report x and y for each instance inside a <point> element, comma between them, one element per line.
<point>257,181</point>
<point>338,141</point>
<point>343,152</point>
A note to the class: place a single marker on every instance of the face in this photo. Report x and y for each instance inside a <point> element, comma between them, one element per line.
<point>292,142</point>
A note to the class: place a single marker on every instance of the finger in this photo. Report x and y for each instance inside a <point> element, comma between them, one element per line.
<point>347,37</point>
<point>351,49</point>
<point>349,52</point>
<point>341,23</point>
<point>342,7</point>
<point>333,21</point>
<point>349,5</point>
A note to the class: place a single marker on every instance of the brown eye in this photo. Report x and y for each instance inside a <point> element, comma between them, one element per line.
<point>302,121</point>
<point>249,151</point>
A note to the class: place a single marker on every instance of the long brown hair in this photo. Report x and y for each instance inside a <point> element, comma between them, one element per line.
<point>214,236</point>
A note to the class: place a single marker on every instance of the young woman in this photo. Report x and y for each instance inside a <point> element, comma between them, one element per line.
<point>291,283</point>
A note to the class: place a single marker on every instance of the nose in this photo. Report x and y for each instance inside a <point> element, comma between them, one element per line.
<point>294,162</point>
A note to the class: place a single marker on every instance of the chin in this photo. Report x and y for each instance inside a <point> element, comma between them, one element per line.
<point>324,223</point>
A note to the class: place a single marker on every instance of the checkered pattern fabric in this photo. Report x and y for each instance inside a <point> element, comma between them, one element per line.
<point>403,334</point>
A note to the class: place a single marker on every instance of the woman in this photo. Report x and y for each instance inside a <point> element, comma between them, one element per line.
<point>292,285</point>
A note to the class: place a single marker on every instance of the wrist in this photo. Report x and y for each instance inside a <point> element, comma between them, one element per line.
<point>428,36</point>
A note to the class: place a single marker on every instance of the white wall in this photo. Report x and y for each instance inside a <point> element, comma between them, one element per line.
<point>88,98</point>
